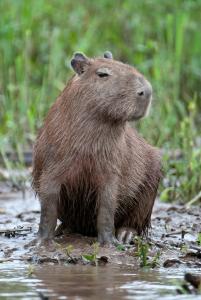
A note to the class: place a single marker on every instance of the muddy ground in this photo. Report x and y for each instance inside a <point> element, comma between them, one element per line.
<point>172,242</point>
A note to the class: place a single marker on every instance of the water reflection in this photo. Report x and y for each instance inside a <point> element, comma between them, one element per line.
<point>88,282</point>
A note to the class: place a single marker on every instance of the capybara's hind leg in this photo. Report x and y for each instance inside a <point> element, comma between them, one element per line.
<point>136,220</point>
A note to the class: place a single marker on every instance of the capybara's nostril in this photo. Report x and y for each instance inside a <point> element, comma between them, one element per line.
<point>141,93</point>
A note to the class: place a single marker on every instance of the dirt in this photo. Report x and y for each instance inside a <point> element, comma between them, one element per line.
<point>172,244</point>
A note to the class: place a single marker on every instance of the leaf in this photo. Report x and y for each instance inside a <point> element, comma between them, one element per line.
<point>88,257</point>
<point>121,247</point>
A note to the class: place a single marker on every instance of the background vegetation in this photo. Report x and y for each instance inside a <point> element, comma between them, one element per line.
<point>161,38</point>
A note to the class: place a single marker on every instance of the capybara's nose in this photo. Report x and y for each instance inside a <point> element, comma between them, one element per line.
<point>145,91</point>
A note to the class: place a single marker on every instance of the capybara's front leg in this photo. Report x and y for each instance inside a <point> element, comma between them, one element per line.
<point>106,211</point>
<point>48,218</point>
<point>48,221</point>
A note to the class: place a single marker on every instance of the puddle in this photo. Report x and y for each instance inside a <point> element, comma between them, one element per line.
<point>88,282</point>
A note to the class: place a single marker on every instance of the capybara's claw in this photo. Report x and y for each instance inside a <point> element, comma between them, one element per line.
<point>125,235</point>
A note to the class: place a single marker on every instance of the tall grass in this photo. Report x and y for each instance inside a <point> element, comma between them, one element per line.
<point>161,38</point>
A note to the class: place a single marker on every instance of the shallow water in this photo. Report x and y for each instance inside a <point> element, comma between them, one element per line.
<point>89,282</point>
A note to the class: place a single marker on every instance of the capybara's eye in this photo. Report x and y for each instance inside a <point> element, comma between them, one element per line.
<point>103,72</point>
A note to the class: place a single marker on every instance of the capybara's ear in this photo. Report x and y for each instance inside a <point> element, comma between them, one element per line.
<point>108,54</point>
<point>79,63</point>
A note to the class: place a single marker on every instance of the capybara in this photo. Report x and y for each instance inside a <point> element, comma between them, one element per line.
<point>91,169</point>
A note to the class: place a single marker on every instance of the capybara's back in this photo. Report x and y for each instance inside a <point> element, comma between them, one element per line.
<point>91,170</point>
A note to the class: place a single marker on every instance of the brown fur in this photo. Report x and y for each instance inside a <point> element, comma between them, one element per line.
<point>86,144</point>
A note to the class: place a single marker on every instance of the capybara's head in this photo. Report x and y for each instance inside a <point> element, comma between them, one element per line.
<point>111,89</point>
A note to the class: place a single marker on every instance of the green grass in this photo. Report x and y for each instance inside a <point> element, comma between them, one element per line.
<point>143,249</point>
<point>161,38</point>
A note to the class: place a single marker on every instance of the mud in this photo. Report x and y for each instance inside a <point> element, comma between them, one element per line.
<point>80,269</point>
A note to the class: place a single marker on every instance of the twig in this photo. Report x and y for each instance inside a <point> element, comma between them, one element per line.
<point>182,232</point>
<point>7,231</point>
<point>197,248</point>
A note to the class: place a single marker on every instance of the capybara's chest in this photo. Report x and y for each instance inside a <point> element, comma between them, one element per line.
<point>86,172</point>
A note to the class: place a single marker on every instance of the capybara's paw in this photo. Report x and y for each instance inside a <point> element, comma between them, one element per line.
<point>47,244</point>
<point>125,235</point>
<point>108,239</point>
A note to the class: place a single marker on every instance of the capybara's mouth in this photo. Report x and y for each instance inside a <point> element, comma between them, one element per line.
<point>141,113</point>
<point>135,117</point>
